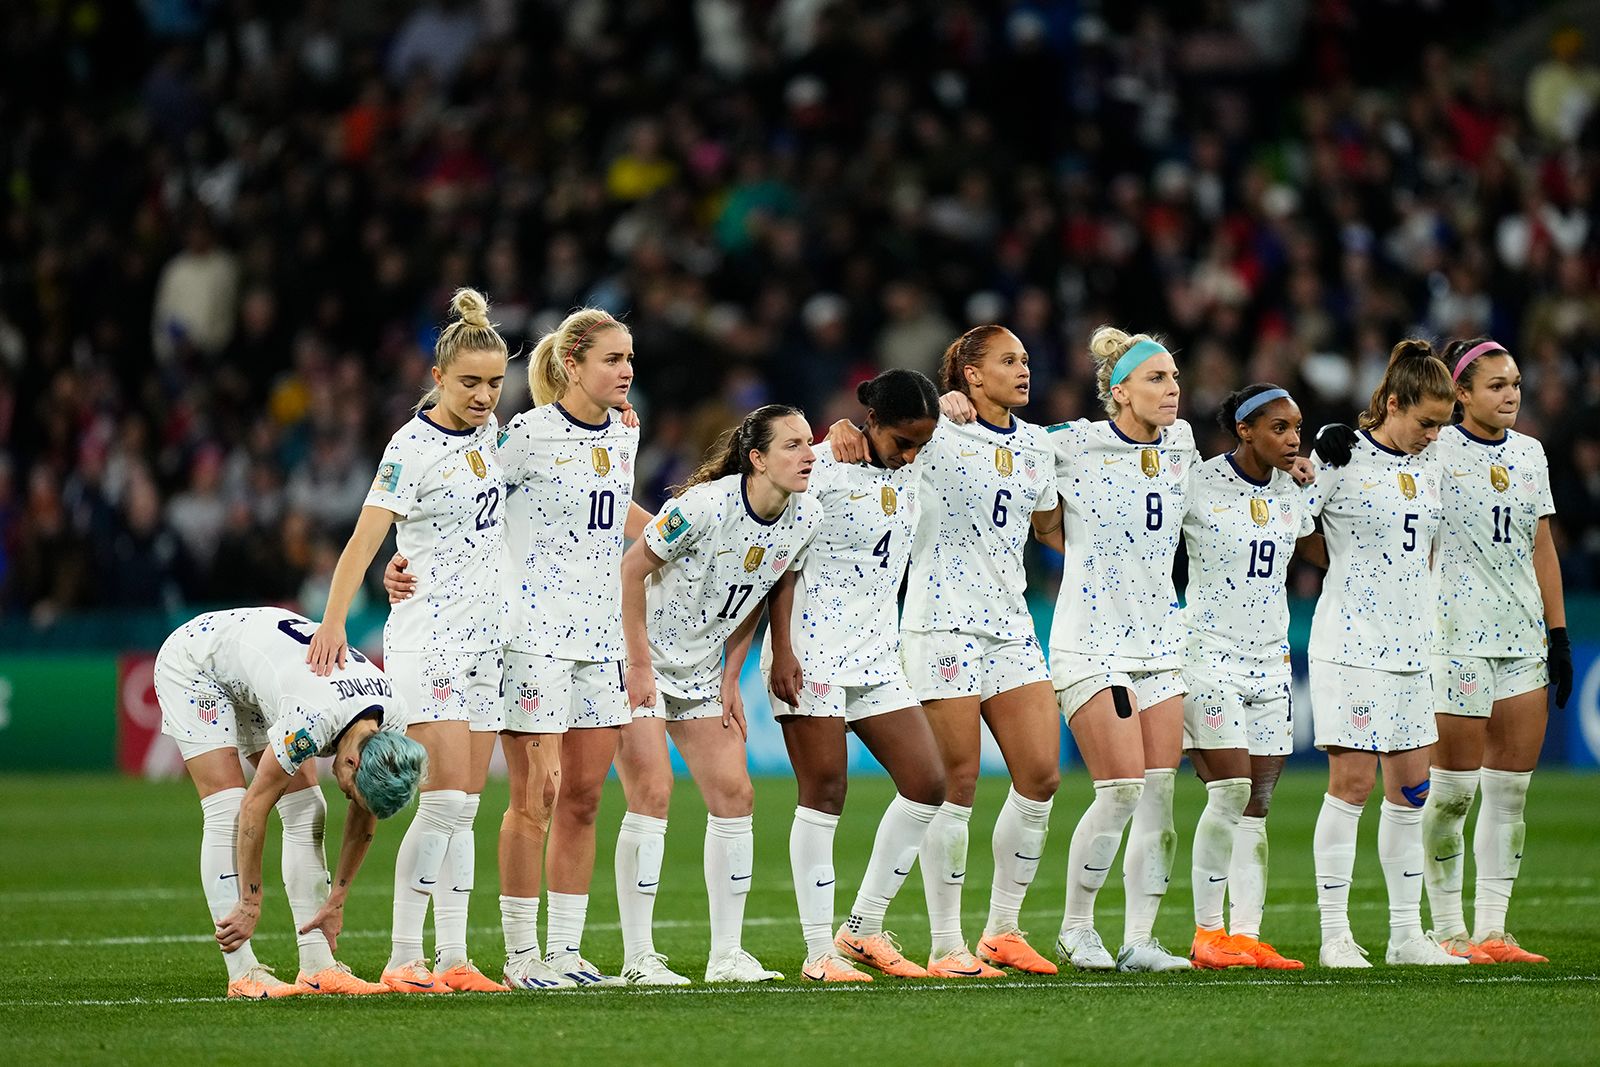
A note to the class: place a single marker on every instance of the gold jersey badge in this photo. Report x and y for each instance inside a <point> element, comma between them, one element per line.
<point>601,459</point>
<point>1004,461</point>
<point>889,500</point>
<point>1150,462</point>
<point>1260,513</point>
<point>753,558</point>
<point>1500,478</point>
<point>1408,486</point>
<point>475,461</point>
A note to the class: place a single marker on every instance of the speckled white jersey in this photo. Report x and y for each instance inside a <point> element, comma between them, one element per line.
<point>568,486</point>
<point>844,626</point>
<point>721,562</point>
<point>1122,512</point>
<point>1240,535</point>
<point>1495,493</point>
<point>978,489</point>
<point>1380,514</point>
<point>255,660</point>
<point>447,488</point>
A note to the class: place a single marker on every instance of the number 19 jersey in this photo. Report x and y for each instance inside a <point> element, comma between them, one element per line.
<point>978,490</point>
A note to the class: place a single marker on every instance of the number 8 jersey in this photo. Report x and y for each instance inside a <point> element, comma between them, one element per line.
<point>1380,513</point>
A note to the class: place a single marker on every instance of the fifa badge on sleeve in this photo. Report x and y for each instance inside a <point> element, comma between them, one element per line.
<point>299,745</point>
<point>671,525</point>
<point>388,479</point>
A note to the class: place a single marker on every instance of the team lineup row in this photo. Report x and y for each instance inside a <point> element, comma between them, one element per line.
<point>519,613</point>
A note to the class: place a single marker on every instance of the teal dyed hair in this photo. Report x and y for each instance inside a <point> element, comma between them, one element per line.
<point>392,766</point>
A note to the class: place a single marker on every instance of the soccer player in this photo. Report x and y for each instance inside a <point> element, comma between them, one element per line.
<point>692,589</point>
<point>1245,514</point>
<point>1501,639</point>
<point>440,484</point>
<point>832,661</point>
<point>968,644</point>
<point>1371,637</point>
<point>235,682</point>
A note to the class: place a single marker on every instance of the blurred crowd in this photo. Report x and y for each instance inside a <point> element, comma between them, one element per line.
<point>231,228</point>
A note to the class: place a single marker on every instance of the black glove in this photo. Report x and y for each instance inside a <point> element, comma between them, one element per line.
<point>1560,649</point>
<point>1334,443</point>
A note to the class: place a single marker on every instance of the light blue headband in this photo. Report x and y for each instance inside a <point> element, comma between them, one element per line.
<point>1135,355</point>
<point>1248,408</point>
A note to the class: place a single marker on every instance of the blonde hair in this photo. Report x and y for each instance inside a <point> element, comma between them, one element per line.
<point>1106,346</point>
<point>1414,374</point>
<point>547,369</point>
<point>471,331</point>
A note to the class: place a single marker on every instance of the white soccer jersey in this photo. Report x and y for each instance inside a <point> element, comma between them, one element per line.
<point>844,625</point>
<point>721,561</point>
<point>1122,511</point>
<point>978,489</point>
<point>1495,493</point>
<point>1380,514</point>
<point>258,657</point>
<point>568,487</point>
<point>448,490</point>
<point>1240,535</point>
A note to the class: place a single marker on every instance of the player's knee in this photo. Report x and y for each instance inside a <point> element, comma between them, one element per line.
<point>651,795</point>
<point>581,805</point>
<point>961,781</point>
<point>1415,795</point>
<point>1040,783</point>
<point>525,822</point>
<point>826,793</point>
<point>730,799</point>
<point>926,787</point>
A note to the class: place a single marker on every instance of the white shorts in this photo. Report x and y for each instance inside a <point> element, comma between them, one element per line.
<point>852,703</point>
<point>545,695</point>
<point>197,713</point>
<point>1469,685</point>
<point>946,666</point>
<point>1371,710</point>
<point>449,686</point>
<point>1078,678</point>
<point>680,709</point>
<point>1226,709</point>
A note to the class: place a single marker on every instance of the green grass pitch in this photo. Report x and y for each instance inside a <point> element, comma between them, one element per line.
<point>106,938</point>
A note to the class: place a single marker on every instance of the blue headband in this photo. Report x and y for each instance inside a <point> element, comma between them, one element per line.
<point>1248,408</point>
<point>1135,355</point>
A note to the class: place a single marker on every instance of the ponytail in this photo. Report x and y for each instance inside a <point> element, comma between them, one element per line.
<point>547,367</point>
<point>731,452</point>
<point>965,351</point>
<point>471,331</point>
<point>1414,374</point>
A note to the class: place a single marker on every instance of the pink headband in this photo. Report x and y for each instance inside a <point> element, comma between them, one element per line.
<point>1473,353</point>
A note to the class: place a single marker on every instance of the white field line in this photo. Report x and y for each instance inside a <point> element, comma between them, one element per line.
<point>1103,985</point>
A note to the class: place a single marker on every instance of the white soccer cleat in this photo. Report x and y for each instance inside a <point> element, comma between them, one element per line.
<point>530,973</point>
<point>1421,950</point>
<point>737,965</point>
<point>1343,951</point>
<point>1149,956</point>
<point>583,973</point>
<point>1083,949</point>
<point>651,969</point>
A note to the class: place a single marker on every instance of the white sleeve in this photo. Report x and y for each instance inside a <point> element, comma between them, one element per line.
<point>399,476</point>
<point>1049,497</point>
<point>679,524</point>
<point>513,450</point>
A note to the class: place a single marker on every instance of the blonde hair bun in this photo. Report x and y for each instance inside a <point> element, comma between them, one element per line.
<point>471,307</point>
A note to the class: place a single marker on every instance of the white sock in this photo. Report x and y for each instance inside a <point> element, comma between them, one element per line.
<point>1147,861</point>
<point>1333,851</point>
<point>519,922</point>
<point>1400,853</point>
<point>1094,846</point>
<point>565,917</point>
<point>219,873</point>
<point>417,868</point>
<point>1444,817</point>
<point>1213,847</point>
<point>1247,877</point>
<point>640,844</point>
<point>944,870</point>
<point>1018,844</point>
<point>894,850</point>
<point>811,861</point>
<point>729,859</point>
<point>1497,847</point>
<point>455,890</point>
<point>305,871</point>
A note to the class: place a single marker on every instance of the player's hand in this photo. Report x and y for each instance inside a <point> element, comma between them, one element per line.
<point>733,706</point>
<point>629,417</point>
<point>238,925</point>
<point>330,920</point>
<point>1303,471</point>
<point>786,677</point>
<point>1334,444</point>
<point>641,681</point>
<point>849,443</point>
<point>328,648</point>
<point>957,407</point>
<point>1560,652</point>
<point>396,582</point>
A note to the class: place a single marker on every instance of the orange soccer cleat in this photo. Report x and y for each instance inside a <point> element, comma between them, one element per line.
<point>881,952</point>
<point>1503,948</point>
<point>259,983</point>
<point>1011,950</point>
<point>1267,958</point>
<point>338,979</point>
<point>832,967</point>
<point>960,964</point>
<point>1461,945</point>
<point>414,977</point>
<point>466,978</point>
<point>1214,950</point>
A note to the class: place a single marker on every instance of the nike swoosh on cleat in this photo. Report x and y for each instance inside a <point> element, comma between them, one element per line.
<point>419,985</point>
<point>824,885</point>
<point>1020,856</point>
<point>856,948</point>
<point>1442,859</point>
<point>312,985</point>
<point>1214,878</point>
<point>970,974</point>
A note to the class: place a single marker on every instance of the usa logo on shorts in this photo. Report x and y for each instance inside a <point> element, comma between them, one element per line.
<point>441,689</point>
<point>207,707</point>
<point>1360,716</point>
<point>821,689</point>
<point>1214,717</point>
<point>527,698</point>
<point>949,667</point>
<point>1469,683</point>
